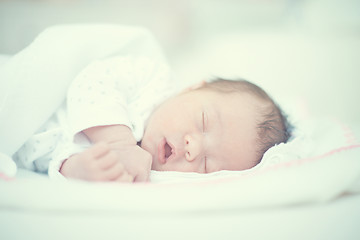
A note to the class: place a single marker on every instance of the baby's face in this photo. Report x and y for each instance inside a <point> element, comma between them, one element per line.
<point>202,131</point>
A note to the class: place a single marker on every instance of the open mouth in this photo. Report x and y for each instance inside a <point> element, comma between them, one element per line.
<point>168,150</point>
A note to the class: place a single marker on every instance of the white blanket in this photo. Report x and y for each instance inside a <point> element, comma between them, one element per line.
<point>320,163</point>
<point>34,81</point>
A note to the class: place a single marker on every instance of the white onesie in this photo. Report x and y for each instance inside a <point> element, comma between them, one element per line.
<point>117,90</point>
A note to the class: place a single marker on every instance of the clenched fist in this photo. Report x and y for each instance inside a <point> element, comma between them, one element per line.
<point>109,162</point>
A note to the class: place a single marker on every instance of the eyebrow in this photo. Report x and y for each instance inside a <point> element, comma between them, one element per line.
<point>204,121</point>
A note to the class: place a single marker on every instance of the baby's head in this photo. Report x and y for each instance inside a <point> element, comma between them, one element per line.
<point>220,125</point>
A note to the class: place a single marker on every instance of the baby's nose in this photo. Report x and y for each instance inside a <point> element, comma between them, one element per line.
<point>192,147</point>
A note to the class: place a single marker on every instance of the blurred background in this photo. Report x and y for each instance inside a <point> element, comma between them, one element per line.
<point>305,53</point>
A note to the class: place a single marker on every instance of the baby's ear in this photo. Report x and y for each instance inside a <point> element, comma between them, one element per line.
<point>195,86</point>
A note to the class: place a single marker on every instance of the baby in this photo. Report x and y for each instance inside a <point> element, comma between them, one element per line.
<point>122,118</point>
<point>220,125</point>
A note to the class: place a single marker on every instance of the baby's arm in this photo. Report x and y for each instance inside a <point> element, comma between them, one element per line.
<point>110,134</point>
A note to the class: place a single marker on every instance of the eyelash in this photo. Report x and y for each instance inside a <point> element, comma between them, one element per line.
<point>204,129</point>
<point>205,161</point>
<point>203,122</point>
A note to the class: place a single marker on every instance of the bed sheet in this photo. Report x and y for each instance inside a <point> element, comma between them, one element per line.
<point>337,219</point>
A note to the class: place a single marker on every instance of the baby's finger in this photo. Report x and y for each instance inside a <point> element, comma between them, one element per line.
<point>107,161</point>
<point>125,177</point>
<point>143,176</point>
<point>115,172</point>
<point>99,149</point>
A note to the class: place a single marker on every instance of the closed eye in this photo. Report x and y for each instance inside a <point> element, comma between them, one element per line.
<point>204,121</point>
<point>205,164</point>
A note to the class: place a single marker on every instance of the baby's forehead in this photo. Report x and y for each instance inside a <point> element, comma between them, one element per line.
<point>240,99</point>
<point>230,103</point>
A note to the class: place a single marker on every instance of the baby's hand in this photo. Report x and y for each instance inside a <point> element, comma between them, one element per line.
<point>137,161</point>
<point>98,163</point>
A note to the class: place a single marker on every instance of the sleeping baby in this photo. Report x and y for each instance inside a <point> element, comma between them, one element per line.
<point>123,118</point>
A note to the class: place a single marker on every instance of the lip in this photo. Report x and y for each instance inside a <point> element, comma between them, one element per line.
<point>161,151</point>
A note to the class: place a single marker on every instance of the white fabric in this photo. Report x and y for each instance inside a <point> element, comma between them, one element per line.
<point>34,81</point>
<point>4,58</point>
<point>120,90</point>
<point>7,165</point>
<point>40,76</point>
<point>333,220</point>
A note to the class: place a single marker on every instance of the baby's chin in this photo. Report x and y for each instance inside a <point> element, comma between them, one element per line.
<point>155,166</point>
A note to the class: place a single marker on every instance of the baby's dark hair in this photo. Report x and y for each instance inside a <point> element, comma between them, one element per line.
<point>272,127</point>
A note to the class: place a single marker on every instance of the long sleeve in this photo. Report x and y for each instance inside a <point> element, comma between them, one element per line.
<point>119,90</point>
<point>95,98</point>
<point>112,91</point>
